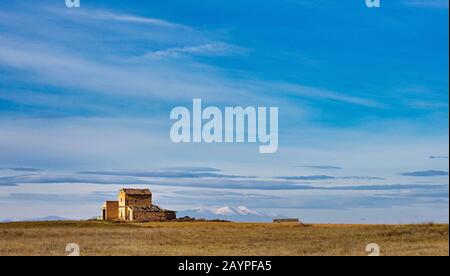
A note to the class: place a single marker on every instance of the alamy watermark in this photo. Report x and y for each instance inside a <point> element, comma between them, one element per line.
<point>73,249</point>
<point>373,249</point>
<point>234,125</point>
<point>73,3</point>
<point>373,3</point>
<point>369,3</point>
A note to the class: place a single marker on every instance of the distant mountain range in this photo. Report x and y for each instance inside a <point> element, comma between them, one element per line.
<point>49,218</point>
<point>229,213</point>
<point>236,214</point>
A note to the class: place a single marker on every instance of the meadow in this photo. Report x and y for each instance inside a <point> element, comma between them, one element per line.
<point>219,238</point>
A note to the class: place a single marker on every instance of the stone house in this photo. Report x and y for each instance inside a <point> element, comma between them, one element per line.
<point>135,205</point>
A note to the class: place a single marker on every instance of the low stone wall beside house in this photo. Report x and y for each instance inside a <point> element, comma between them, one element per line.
<point>153,216</point>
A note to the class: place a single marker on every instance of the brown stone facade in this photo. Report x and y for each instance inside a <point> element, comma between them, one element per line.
<point>135,205</point>
<point>140,214</point>
<point>110,210</point>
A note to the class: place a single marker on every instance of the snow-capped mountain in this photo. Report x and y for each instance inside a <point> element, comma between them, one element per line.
<point>238,214</point>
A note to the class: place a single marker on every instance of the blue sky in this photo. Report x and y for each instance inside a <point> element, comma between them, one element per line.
<point>85,98</point>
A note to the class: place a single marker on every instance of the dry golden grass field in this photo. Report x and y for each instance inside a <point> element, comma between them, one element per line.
<point>217,238</point>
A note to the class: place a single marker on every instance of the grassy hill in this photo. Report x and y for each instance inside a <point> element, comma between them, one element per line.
<point>218,238</point>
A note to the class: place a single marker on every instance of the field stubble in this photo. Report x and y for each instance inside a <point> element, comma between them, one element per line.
<point>218,238</point>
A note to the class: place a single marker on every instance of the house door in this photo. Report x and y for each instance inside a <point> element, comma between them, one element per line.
<point>104,214</point>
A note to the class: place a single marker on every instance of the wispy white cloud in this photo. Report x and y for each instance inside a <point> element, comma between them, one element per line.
<point>319,93</point>
<point>42,64</point>
<point>136,19</point>
<point>426,105</point>
<point>56,63</point>
<point>429,173</point>
<point>321,167</point>
<point>48,66</point>
<point>109,15</point>
<point>441,4</point>
<point>328,177</point>
<point>227,184</point>
<point>204,50</point>
<point>438,157</point>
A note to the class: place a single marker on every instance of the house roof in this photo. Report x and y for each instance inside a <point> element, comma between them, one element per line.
<point>137,191</point>
<point>152,208</point>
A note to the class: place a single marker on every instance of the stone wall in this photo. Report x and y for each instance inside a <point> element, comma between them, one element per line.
<point>153,216</point>
<point>136,200</point>
<point>111,210</point>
